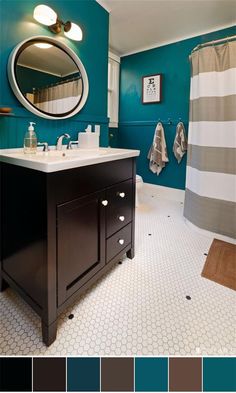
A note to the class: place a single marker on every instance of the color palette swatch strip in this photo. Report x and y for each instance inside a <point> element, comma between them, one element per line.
<point>127,374</point>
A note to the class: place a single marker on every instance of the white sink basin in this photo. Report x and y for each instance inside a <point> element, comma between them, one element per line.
<point>64,154</point>
<point>56,160</point>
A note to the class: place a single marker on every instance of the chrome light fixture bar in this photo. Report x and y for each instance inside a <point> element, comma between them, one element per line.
<point>47,16</point>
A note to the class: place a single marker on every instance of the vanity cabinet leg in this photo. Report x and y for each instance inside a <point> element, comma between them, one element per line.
<point>3,284</point>
<point>49,333</point>
<point>130,253</point>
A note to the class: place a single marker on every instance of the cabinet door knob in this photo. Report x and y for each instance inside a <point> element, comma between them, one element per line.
<point>122,218</point>
<point>122,194</point>
<point>121,241</point>
<point>105,202</point>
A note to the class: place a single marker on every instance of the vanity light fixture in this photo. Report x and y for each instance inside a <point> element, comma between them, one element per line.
<point>74,33</point>
<point>47,16</point>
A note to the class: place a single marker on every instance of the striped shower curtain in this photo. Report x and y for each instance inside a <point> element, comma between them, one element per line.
<point>58,98</point>
<point>210,197</point>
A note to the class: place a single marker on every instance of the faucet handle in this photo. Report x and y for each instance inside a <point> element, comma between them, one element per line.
<point>44,145</point>
<point>71,143</point>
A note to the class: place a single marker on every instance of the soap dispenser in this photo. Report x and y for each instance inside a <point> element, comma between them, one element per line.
<point>30,140</point>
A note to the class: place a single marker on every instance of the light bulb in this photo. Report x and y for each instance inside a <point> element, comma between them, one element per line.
<point>75,33</point>
<point>43,45</point>
<point>45,15</point>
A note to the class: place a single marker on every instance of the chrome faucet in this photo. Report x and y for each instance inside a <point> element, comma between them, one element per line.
<point>60,139</point>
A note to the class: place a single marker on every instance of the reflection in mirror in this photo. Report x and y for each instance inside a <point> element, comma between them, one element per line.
<point>48,78</point>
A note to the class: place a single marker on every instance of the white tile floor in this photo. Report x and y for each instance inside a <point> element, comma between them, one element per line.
<point>139,307</point>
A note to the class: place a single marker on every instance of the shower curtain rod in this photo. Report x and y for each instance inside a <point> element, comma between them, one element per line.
<point>214,42</point>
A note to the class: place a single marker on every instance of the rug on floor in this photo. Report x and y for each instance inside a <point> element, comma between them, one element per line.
<point>220,265</point>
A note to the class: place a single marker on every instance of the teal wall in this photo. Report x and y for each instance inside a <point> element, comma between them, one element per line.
<point>28,79</point>
<point>17,24</point>
<point>137,122</point>
<point>113,136</point>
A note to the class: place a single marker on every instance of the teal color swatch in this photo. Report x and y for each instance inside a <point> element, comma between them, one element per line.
<point>151,374</point>
<point>219,374</point>
<point>83,374</point>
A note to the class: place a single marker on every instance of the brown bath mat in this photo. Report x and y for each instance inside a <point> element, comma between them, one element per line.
<point>220,265</point>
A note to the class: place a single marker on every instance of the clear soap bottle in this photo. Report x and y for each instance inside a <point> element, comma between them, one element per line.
<point>30,140</point>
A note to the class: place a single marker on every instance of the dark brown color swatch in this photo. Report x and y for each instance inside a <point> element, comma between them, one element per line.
<point>49,374</point>
<point>117,374</point>
<point>220,265</point>
<point>185,374</point>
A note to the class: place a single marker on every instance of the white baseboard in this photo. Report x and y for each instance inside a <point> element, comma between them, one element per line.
<point>172,194</point>
<point>210,234</point>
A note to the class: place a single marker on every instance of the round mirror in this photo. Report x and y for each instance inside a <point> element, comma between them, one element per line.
<point>48,78</point>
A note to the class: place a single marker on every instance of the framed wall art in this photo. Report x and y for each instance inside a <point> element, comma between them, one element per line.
<point>151,89</point>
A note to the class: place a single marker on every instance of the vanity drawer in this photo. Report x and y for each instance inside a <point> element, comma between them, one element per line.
<point>73,183</point>
<point>119,208</point>
<point>117,242</point>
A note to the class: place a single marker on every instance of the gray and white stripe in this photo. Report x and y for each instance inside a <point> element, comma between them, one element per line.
<point>210,197</point>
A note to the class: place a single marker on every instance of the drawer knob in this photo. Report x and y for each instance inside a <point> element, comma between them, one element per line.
<point>121,194</point>
<point>122,218</point>
<point>121,241</point>
<point>105,202</point>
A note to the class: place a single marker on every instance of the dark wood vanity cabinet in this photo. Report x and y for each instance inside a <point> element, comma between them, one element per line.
<point>61,231</point>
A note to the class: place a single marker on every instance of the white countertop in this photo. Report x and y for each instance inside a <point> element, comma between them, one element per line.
<point>58,160</point>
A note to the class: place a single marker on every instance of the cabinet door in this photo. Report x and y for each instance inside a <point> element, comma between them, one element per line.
<point>80,242</point>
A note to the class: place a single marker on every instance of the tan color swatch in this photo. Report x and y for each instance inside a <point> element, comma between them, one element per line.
<point>185,374</point>
<point>220,265</point>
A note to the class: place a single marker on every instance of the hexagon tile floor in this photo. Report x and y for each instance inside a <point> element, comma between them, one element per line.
<point>139,307</point>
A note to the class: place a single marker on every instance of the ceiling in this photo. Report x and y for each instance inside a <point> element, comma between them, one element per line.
<point>51,60</point>
<point>136,25</point>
